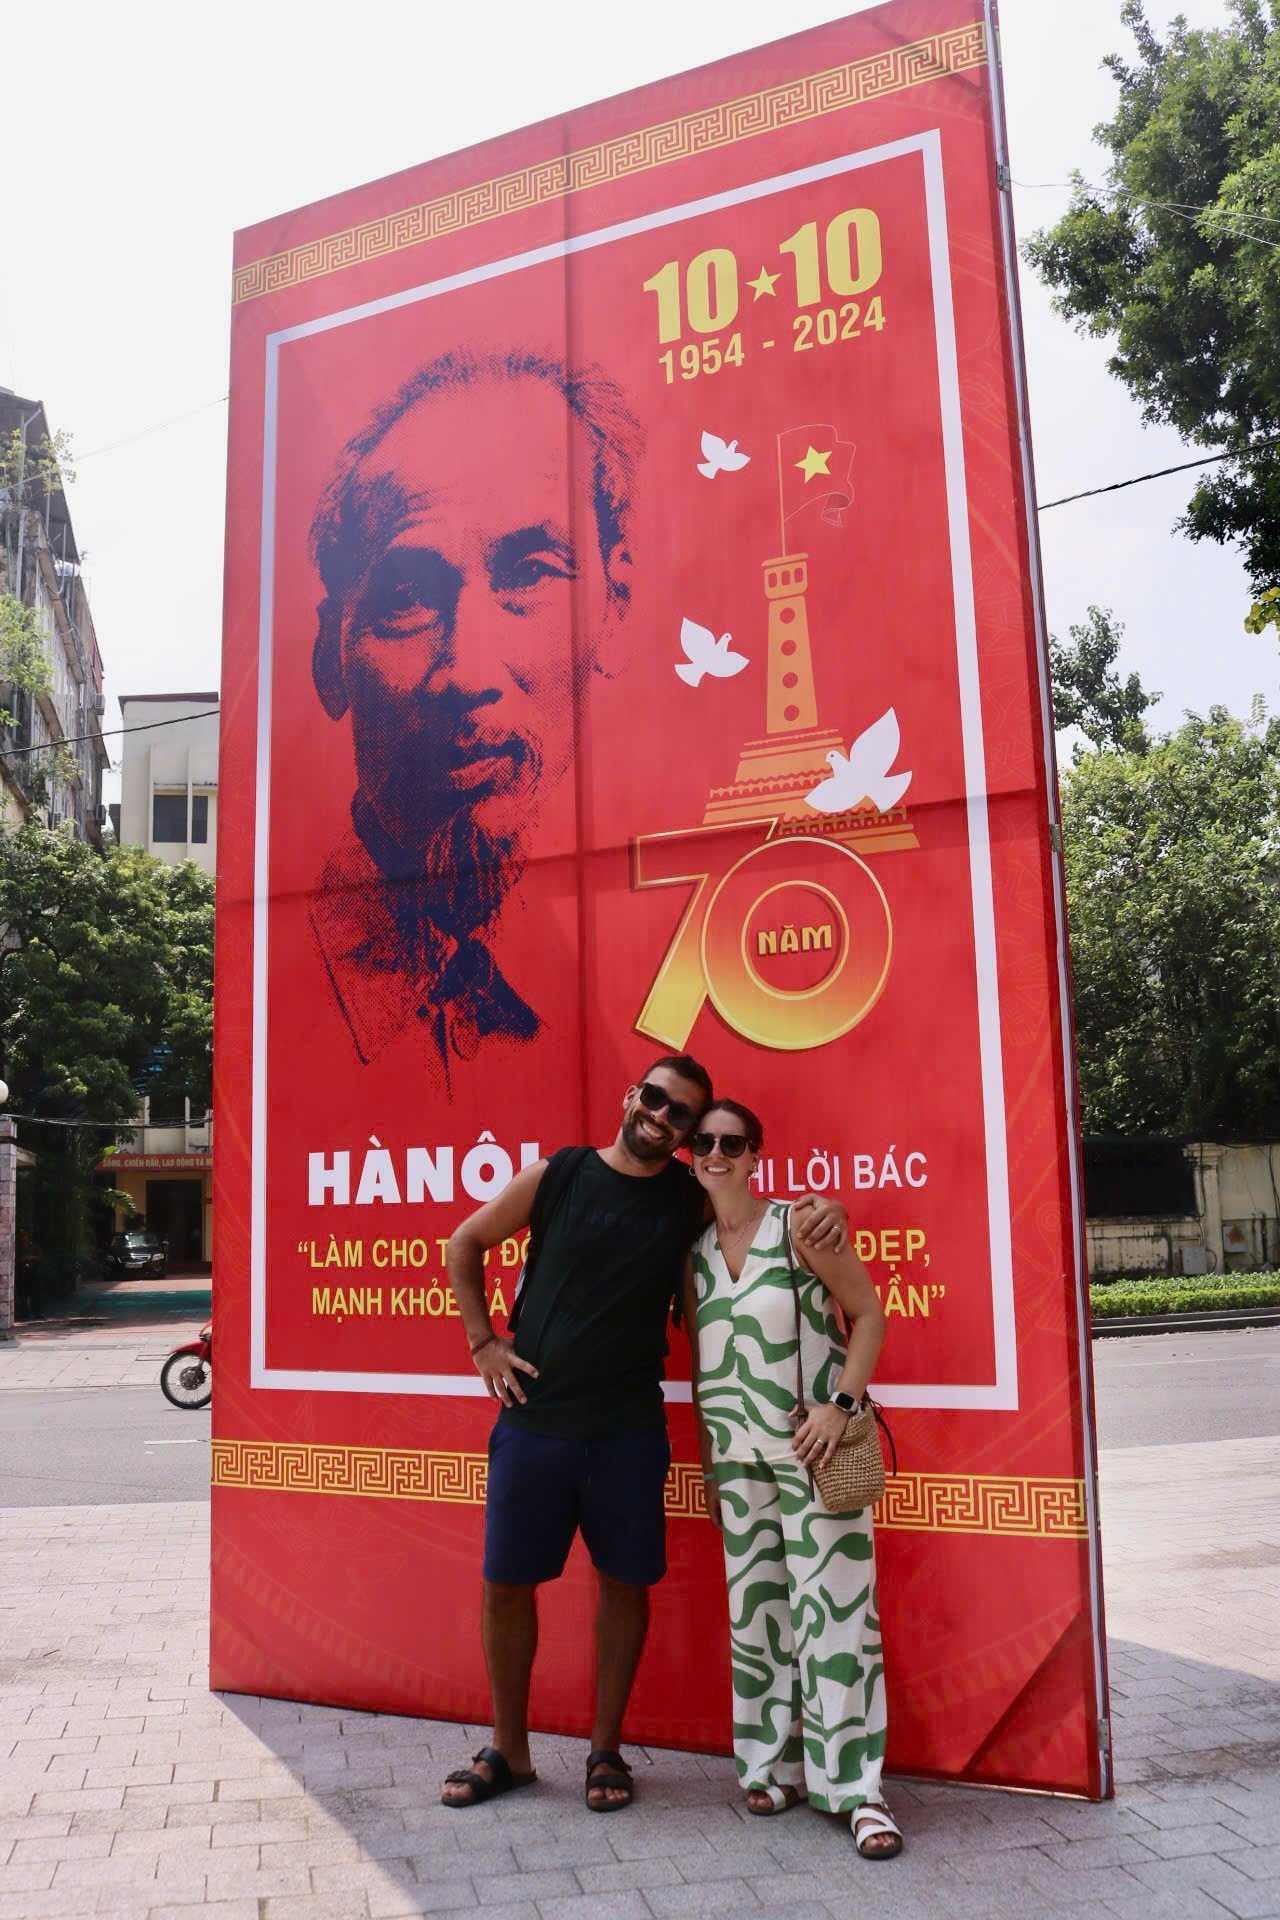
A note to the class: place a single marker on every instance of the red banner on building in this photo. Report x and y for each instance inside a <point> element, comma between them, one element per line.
<point>633,644</point>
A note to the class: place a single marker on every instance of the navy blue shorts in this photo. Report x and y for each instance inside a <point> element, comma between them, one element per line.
<point>543,1490</point>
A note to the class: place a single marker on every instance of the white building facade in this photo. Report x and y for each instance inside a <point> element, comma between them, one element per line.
<point>169,776</point>
<point>169,805</point>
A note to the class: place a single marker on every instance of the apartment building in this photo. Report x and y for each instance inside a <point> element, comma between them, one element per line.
<point>52,755</point>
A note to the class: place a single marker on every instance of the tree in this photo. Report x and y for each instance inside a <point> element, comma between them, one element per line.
<point>1173,888</point>
<point>1088,692</point>
<point>1176,257</point>
<point>106,974</point>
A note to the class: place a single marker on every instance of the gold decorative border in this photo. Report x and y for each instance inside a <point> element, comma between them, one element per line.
<point>913,1502</point>
<point>954,50</point>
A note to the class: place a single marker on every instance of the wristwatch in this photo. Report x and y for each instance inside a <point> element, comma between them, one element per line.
<point>846,1403</point>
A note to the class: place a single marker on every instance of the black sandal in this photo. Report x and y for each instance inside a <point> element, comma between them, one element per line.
<point>503,1781</point>
<point>618,1779</point>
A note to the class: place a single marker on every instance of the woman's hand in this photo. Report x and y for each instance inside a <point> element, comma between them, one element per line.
<point>817,1439</point>
<point>715,1512</point>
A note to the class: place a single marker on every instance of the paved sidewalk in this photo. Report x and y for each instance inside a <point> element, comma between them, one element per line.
<point>120,1358</point>
<point>128,1789</point>
<point>108,1334</point>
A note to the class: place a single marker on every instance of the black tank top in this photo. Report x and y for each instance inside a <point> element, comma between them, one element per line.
<point>593,1316</point>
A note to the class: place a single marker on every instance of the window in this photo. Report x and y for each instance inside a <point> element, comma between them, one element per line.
<point>169,817</point>
<point>200,818</point>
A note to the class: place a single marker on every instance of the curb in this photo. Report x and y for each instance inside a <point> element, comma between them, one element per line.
<point>1116,1326</point>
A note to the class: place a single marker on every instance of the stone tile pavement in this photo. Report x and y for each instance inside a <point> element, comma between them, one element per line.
<point>117,1359</point>
<point>121,1345</point>
<point>127,1789</point>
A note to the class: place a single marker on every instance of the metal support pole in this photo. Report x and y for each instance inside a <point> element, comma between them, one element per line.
<point>8,1221</point>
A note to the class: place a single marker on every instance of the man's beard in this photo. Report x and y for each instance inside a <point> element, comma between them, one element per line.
<point>463,875</point>
<point>641,1149</point>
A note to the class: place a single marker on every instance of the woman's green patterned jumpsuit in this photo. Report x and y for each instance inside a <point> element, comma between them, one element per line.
<point>808,1677</point>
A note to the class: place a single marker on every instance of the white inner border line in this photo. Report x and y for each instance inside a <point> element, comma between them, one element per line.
<point>1000,1394</point>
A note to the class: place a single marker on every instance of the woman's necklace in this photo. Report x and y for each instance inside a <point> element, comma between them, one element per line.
<point>731,1236</point>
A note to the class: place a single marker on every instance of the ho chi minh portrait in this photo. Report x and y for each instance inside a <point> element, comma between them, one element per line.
<point>465,602</point>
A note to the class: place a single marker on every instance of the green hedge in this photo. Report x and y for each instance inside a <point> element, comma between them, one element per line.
<point>1191,1293</point>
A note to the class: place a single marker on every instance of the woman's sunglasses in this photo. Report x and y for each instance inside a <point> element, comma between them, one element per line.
<point>731,1145</point>
<point>658,1101</point>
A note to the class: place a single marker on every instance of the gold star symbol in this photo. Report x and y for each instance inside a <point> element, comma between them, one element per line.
<point>814,462</point>
<point>764,282</point>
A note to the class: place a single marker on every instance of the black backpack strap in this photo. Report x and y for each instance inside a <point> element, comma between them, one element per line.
<point>552,1187</point>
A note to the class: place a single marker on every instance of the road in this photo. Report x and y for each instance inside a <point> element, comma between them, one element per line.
<point>1157,1389</point>
<point>100,1446</point>
<point>115,1445</point>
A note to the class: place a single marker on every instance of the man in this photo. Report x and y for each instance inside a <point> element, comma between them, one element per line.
<point>469,591</point>
<point>581,1442</point>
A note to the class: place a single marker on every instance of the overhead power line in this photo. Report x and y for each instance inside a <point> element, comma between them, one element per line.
<point>1183,466</point>
<point>157,426</point>
<point>114,1126</point>
<point>1186,208</point>
<point>109,733</point>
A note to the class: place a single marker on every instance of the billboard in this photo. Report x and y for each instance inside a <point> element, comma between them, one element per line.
<point>633,643</point>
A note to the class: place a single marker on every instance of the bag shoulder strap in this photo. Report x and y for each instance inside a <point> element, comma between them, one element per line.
<point>795,1301</point>
<point>552,1188</point>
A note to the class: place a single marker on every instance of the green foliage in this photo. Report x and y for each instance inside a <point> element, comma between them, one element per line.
<point>105,962</point>
<point>1175,257</point>
<point>37,464</point>
<point>106,979</point>
<point>1173,886</point>
<point>25,668</point>
<point>1198,1293</point>
<point>24,653</point>
<point>1264,613</point>
<point>1087,691</point>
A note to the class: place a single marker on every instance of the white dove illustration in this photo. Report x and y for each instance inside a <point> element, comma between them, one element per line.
<point>720,456</point>
<point>865,774</point>
<point>706,654</point>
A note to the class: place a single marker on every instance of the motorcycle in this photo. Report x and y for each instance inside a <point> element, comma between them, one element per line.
<point>186,1378</point>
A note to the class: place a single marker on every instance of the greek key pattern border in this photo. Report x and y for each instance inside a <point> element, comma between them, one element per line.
<point>954,50</point>
<point>913,1502</point>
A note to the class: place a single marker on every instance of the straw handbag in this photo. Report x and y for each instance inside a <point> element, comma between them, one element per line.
<point>853,1478</point>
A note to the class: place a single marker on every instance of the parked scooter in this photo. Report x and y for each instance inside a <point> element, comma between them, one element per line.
<point>186,1378</point>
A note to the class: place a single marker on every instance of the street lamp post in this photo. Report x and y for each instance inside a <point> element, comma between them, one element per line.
<point>8,1214</point>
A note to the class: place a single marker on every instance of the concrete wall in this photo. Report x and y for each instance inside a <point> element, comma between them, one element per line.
<point>1236,1228</point>
<point>180,755</point>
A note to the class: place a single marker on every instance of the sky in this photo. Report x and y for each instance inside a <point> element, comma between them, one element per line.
<point>146,134</point>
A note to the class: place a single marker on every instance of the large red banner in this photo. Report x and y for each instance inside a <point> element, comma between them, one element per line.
<point>632,644</point>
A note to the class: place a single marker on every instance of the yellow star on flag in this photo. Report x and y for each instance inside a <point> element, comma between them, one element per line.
<point>814,462</point>
<point>764,282</point>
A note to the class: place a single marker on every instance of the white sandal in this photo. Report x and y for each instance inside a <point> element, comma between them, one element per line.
<point>869,1820</point>
<point>778,1801</point>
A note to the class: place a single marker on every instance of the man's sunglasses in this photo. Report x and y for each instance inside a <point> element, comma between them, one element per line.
<point>731,1145</point>
<point>657,1100</point>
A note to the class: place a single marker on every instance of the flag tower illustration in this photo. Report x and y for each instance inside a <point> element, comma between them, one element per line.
<point>777,771</point>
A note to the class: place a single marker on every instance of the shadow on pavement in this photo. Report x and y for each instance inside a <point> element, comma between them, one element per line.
<point>101,1305</point>
<point>1196,1748</point>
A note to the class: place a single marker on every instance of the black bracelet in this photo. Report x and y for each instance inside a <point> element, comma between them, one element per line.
<point>482,1344</point>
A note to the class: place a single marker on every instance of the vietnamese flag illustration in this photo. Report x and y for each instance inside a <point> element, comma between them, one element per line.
<point>815,468</point>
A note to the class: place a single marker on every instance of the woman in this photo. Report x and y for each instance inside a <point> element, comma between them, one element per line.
<point>808,1679</point>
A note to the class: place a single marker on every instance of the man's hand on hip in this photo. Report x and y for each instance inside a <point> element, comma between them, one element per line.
<point>500,1367</point>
